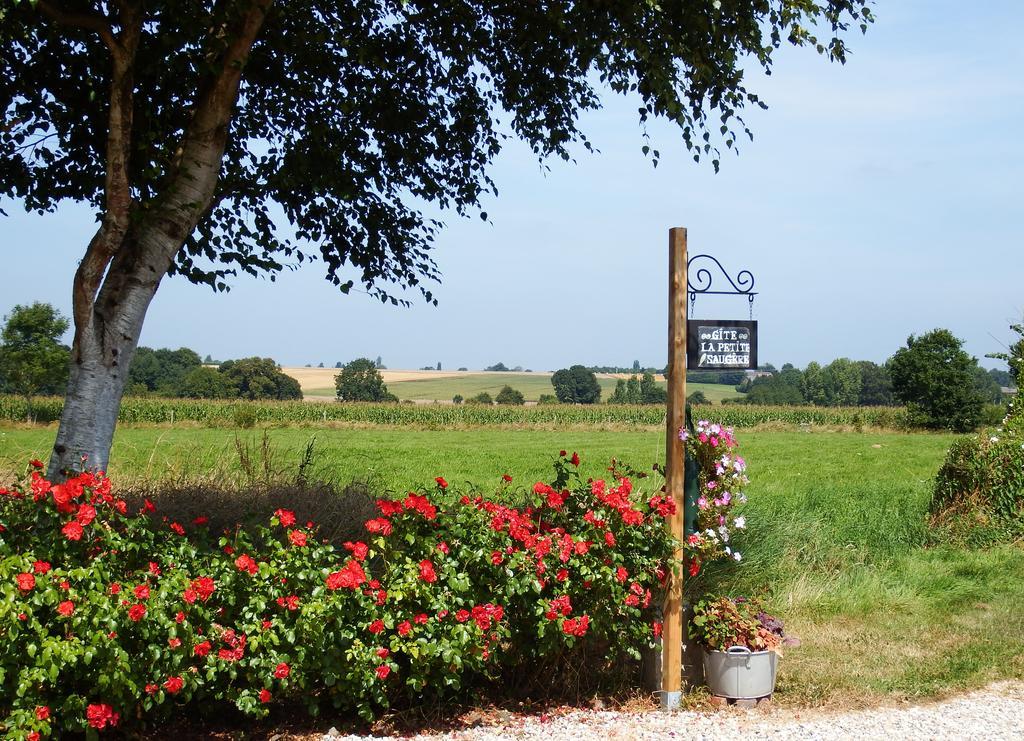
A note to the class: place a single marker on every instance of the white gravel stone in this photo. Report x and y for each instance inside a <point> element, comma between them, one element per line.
<point>995,713</point>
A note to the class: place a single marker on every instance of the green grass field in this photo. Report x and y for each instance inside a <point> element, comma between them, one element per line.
<point>532,385</point>
<point>836,536</point>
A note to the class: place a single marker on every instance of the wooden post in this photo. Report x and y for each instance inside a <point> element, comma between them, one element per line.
<point>673,628</point>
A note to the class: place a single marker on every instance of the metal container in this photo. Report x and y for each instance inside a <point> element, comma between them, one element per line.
<point>739,673</point>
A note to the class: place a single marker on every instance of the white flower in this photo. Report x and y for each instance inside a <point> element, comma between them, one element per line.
<point>737,556</point>
<point>994,439</point>
<point>724,533</point>
<point>740,522</point>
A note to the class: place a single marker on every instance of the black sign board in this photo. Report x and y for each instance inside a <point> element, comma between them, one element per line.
<point>720,344</point>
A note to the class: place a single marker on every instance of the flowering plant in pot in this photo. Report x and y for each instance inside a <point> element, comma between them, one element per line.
<point>742,645</point>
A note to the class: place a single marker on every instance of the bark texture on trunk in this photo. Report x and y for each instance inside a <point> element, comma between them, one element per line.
<point>134,247</point>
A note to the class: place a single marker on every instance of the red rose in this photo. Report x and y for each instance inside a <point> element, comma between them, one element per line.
<point>100,715</point>
<point>66,607</point>
<point>427,572</point>
<point>377,626</point>
<point>173,685</point>
<point>656,628</point>
<point>350,576</point>
<point>575,460</point>
<point>190,596</point>
<point>609,539</point>
<point>359,550</point>
<point>421,619</point>
<point>621,574</point>
<point>136,612</point>
<point>41,567</point>
<point>380,525</point>
<point>142,591</point>
<point>282,670</point>
<point>174,642</point>
<point>443,547</point>
<point>42,712</point>
<point>179,617</point>
<point>204,586</point>
<point>202,649</point>
<point>200,521</point>
<point>177,528</point>
<point>404,628</point>
<point>297,537</point>
<point>285,516</point>
<point>264,696</point>
<point>462,616</point>
<point>26,582</point>
<point>383,653</point>
<point>154,568</point>
<point>382,671</point>
<point>246,563</point>
<point>35,463</point>
<point>506,478</point>
<point>441,482</point>
<point>86,514</point>
<point>694,567</point>
<point>72,531</point>
<point>496,557</point>
<point>115,588</point>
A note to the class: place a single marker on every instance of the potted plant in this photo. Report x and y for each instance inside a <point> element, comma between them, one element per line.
<point>742,645</point>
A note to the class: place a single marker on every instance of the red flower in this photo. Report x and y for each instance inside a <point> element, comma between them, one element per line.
<point>496,557</point>
<point>562,574</point>
<point>177,528</point>
<point>609,539</point>
<point>173,685</point>
<point>267,624</point>
<point>350,576</point>
<point>179,617</point>
<point>427,572</point>
<point>202,649</point>
<point>142,591</point>
<point>380,525</point>
<point>377,626</point>
<point>100,715</point>
<point>86,514</point>
<point>115,588</point>
<point>694,567</point>
<point>297,537</point>
<point>575,460</point>
<point>35,463</point>
<point>441,482</point>
<point>421,619</point>
<point>42,712</point>
<point>462,616</point>
<point>33,736</point>
<point>621,574</point>
<point>26,582</point>
<point>200,521</point>
<point>190,596</point>
<point>154,568</point>
<point>358,550</point>
<point>388,507</point>
<point>443,547</point>
<point>264,696</point>
<point>656,628</point>
<point>383,653</point>
<point>66,607</point>
<point>64,585</point>
<point>136,612</point>
<point>282,670</point>
<point>246,563</point>
<point>289,603</point>
<point>204,586</point>
<point>382,671</point>
<point>561,453</point>
<point>576,626</point>
<point>506,478</point>
<point>72,531</point>
<point>152,689</point>
<point>41,567</point>
<point>632,600</point>
<point>285,516</point>
<point>404,628</point>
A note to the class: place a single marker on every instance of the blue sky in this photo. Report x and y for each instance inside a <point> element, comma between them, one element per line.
<point>877,200</point>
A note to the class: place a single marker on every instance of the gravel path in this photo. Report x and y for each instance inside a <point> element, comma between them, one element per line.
<point>997,712</point>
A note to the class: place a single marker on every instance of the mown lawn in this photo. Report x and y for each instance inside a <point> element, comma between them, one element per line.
<point>836,535</point>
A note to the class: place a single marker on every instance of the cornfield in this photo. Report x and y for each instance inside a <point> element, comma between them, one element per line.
<point>144,411</point>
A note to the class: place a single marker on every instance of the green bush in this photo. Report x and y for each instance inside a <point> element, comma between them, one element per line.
<point>981,481</point>
<point>509,395</point>
<point>482,398</point>
<point>115,616</point>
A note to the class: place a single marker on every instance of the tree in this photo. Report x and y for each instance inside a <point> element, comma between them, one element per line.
<point>482,398</point>
<point>496,368</point>
<point>259,378</point>
<point>650,391</point>
<point>987,387</point>
<point>207,383</point>
<point>875,385</point>
<point>509,395</point>
<point>841,381</point>
<point>163,371</point>
<point>190,127</point>
<point>619,394</point>
<point>32,359</point>
<point>576,385</point>
<point>812,384</point>
<point>934,377</point>
<point>360,380</point>
<point>1014,357</point>
<point>633,391</point>
<point>636,366</point>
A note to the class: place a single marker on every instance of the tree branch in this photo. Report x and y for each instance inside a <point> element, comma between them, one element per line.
<point>87,21</point>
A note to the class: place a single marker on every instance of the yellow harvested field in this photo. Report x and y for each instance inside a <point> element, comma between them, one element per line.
<point>323,378</point>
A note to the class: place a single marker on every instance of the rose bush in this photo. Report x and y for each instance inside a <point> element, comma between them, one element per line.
<point>112,617</point>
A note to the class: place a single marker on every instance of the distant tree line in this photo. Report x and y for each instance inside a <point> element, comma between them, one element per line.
<point>180,373</point>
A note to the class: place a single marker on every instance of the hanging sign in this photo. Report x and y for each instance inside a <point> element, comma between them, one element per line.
<point>721,344</point>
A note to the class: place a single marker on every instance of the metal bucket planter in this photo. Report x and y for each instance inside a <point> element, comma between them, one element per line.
<point>739,673</point>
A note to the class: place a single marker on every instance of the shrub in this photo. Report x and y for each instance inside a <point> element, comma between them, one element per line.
<point>576,385</point>
<point>482,398</point>
<point>509,395</point>
<point>982,481</point>
<point>547,399</point>
<point>457,399</point>
<point>360,380</point>
<point>115,616</point>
